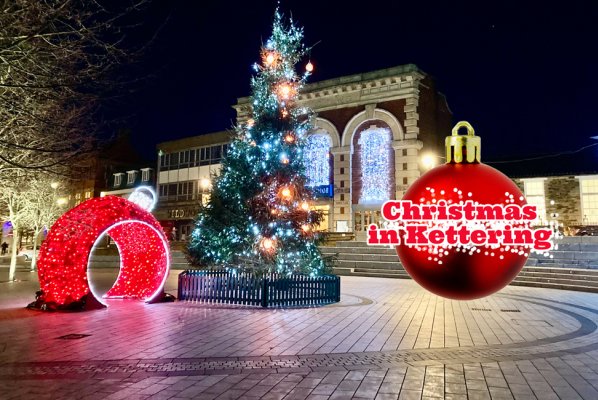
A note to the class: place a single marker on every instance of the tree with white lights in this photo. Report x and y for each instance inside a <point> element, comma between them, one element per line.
<point>58,63</point>
<point>11,197</point>
<point>259,215</point>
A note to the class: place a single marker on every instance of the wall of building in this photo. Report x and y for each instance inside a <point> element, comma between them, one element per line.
<point>563,199</point>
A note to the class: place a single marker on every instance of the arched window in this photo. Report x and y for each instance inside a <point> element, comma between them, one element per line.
<point>317,159</point>
<point>374,144</point>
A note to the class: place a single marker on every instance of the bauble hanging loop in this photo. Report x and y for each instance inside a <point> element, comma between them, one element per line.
<point>463,148</point>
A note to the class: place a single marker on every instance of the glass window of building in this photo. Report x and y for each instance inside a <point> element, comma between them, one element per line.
<point>534,195</point>
<point>145,174</point>
<point>117,179</point>
<point>589,201</point>
<point>131,177</point>
<point>163,191</point>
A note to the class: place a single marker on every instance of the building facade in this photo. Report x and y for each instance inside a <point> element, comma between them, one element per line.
<point>185,170</point>
<point>375,134</point>
<point>95,172</point>
<point>572,200</point>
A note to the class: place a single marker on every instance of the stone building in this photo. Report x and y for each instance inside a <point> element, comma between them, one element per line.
<point>372,132</point>
<point>375,129</point>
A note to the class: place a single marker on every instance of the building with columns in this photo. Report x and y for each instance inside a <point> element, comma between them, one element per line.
<point>372,131</point>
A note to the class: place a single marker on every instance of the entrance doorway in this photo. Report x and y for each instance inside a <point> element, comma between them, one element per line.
<point>363,218</point>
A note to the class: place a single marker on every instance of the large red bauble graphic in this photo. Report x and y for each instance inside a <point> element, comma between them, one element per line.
<point>464,273</point>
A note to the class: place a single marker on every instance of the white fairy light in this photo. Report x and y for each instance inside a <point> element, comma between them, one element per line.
<point>375,165</point>
<point>317,165</point>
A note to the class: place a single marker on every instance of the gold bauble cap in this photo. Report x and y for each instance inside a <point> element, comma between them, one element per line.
<point>463,148</point>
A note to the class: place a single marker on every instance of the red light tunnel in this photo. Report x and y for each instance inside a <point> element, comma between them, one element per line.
<point>141,242</point>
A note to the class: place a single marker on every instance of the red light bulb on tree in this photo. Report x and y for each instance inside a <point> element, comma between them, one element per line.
<point>461,273</point>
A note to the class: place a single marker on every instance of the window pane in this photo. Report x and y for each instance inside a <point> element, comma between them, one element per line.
<point>216,153</point>
<point>174,159</point>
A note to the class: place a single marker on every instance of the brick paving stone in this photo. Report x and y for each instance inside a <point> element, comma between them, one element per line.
<point>456,397</point>
<point>257,391</point>
<point>478,394</point>
<point>410,395</point>
<point>500,394</point>
<point>386,396</point>
<point>390,387</point>
<point>455,388</point>
<point>369,387</point>
<point>324,389</point>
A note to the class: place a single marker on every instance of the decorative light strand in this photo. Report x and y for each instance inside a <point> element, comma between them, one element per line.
<point>375,165</point>
<point>317,162</point>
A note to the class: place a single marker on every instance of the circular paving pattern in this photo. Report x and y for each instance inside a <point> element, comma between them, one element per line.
<point>580,340</point>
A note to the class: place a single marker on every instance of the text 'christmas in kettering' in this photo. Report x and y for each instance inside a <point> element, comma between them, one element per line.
<point>465,224</point>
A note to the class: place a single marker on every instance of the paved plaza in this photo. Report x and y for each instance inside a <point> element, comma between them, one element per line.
<point>387,339</point>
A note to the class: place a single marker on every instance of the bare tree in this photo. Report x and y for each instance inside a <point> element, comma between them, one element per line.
<point>57,65</point>
<point>13,199</point>
<point>57,62</point>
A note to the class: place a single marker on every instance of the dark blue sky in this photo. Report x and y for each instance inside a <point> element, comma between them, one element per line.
<point>523,74</point>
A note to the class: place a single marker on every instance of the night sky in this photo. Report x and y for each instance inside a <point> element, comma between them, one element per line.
<point>523,75</point>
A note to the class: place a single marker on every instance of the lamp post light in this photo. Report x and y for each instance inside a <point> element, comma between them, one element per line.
<point>205,183</point>
<point>430,160</point>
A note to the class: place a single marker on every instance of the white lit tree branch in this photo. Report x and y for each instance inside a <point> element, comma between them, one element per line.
<point>58,64</point>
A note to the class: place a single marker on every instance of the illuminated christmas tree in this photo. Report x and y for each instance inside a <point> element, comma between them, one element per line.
<point>259,214</point>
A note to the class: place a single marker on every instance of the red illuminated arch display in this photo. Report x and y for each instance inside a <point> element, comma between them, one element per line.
<point>142,244</point>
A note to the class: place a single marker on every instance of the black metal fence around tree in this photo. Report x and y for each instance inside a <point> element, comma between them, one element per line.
<point>272,289</point>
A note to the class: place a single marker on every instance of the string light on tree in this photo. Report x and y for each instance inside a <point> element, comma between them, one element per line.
<point>285,193</point>
<point>268,245</point>
<point>309,67</point>
<point>286,91</point>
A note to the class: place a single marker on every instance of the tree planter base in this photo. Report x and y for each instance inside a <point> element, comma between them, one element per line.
<point>268,290</point>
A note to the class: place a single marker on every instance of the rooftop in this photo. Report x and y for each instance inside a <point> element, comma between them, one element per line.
<point>355,78</point>
<point>206,139</point>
